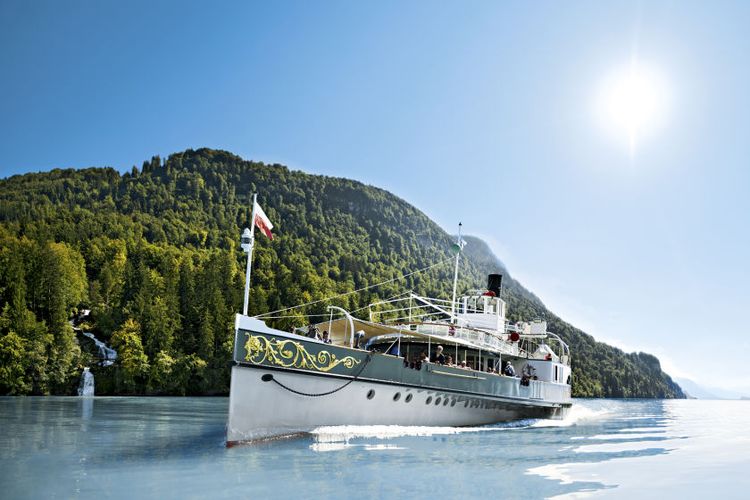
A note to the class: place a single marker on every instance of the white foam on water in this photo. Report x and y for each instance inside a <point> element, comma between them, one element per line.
<point>339,433</point>
<point>343,433</point>
<point>576,414</point>
<point>323,447</point>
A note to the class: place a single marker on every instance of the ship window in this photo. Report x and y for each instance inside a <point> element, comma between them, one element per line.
<point>397,396</point>
<point>445,403</point>
<point>371,394</point>
<point>453,403</point>
<point>437,401</point>
<point>429,400</point>
<point>408,398</point>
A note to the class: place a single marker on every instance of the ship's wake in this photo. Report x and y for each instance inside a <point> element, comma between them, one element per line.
<point>338,437</point>
<point>577,413</point>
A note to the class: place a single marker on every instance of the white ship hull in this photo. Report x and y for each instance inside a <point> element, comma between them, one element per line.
<point>261,409</point>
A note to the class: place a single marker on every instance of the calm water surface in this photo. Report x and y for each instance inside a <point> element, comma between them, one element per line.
<point>174,448</point>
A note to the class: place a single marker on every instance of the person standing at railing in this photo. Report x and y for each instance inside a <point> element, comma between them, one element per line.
<point>439,356</point>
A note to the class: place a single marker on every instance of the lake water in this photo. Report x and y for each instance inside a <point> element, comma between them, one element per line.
<point>174,448</point>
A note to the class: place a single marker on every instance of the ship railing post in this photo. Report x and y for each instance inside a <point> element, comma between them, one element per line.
<point>351,323</point>
<point>330,324</point>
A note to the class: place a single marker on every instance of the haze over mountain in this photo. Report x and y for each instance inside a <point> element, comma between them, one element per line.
<point>154,254</point>
<point>694,390</point>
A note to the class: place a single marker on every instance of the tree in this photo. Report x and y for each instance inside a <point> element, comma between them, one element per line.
<point>13,364</point>
<point>160,375</point>
<point>132,362</point>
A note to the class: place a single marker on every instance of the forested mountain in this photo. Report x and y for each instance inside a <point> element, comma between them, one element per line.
<point>154,254</point>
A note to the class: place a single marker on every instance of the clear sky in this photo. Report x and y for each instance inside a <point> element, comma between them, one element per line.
<point>487,113</point>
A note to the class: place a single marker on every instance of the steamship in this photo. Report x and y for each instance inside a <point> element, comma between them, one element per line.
<point>410,361</point>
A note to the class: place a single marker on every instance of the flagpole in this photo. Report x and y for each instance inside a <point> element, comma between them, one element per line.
<point>455,276</point>
<point>248,247</point>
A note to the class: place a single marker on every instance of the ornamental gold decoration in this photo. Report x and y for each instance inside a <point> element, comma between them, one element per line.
<point>292,354</point>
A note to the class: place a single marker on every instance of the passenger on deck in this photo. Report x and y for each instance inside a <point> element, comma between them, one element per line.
<point>326,338</point>
<point>449,360</point>
<point>509,370</point>
<point>463,365</point>
<point>422,359</point>
<point>358,338</point>
<point>439,356</point>
<point>312,331</point>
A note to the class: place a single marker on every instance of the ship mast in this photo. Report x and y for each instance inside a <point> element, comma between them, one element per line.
<point>459,246</point>
<point>247,244</point>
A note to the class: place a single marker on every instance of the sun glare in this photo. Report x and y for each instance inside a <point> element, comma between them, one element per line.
<point>632,103</point>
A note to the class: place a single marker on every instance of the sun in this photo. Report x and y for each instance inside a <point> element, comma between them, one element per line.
<point>632,103</point>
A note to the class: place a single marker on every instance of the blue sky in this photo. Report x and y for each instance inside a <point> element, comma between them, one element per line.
<point>480,112</point>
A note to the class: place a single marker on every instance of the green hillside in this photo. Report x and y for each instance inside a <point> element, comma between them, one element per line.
<point>154,255</point>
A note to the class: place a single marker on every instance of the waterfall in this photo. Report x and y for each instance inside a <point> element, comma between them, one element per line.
<point>106,353</point>
<point>86,386</point>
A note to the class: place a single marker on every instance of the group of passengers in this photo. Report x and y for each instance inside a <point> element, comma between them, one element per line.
<point>314,333</point>
<point>416,362</point>
<point>440,358</point>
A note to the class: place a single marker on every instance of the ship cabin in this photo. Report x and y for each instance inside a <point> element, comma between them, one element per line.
<point>473,331</point>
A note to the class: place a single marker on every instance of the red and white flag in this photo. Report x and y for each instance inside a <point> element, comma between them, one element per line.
<point>262,222</point>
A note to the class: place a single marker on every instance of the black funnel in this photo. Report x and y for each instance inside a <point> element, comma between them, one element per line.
<point>494,283</point>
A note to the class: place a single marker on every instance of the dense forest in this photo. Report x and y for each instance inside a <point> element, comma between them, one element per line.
<point>154,255</point>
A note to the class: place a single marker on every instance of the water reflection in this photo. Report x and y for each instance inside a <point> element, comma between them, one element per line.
<point>174,447</point>
<point>87,407</point>
<point>623,459</point>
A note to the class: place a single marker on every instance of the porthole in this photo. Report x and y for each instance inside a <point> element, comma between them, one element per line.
<point>453,403</point>
<point>466,404</point>
<point>397,396</point>
<point>445,403</point>
<point>371,394</point>
<point>437,401</point>
<point>429,400</point>
<point>408,398</point>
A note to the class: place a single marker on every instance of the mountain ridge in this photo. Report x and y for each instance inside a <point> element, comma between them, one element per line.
<point>153,253</point>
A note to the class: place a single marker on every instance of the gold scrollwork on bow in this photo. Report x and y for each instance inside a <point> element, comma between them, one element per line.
<point>292,354</point>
